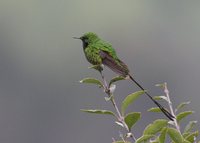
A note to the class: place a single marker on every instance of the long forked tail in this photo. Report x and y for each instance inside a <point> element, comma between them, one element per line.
<point>167,114</point>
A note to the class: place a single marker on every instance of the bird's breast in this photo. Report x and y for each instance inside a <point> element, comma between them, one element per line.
<point>92,55</point>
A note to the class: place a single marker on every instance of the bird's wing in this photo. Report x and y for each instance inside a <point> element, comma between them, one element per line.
<point>114,64</point>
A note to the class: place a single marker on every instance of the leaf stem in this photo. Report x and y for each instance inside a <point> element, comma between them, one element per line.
<point>166,91</point>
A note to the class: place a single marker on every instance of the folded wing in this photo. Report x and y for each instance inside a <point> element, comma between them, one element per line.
<point>114,64</point>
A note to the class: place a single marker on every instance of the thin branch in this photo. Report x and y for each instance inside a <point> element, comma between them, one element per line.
<point>110,95</point>
<point>107,91</point>
<point>104,81</point>
<point>170,106</point>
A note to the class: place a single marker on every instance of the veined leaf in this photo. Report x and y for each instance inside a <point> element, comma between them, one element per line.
<point>129,99</point>
<point>163,135</point>
<point>175,135</point>
<point>144,138</point>
<point>182,115</point>
<point>190,126</point>
<point>115,79</point>
<point>155,127</point>
<point>106,112</point>
<point>92,81</point>
<point>180,106</point>
<point>132,118</point>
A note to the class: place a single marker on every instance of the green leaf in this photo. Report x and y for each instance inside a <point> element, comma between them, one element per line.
<point>155,141</point>
<point>121,142</point>
<point>157,98</point>
<point>131,119</point>
<point>115,79</point>
<point>129,99</point>
<point>155,127</point>
<point>186,134</point>
<point>190,126</point>
<point>182,115</point>
<point>106,112</point>
<point>192,136</point>
<point>175,135</point>
<point>92,80</point>
<point>160,98</point>
<point>144,138</point>
<point>96,67</point>
<point>154,109</point>
<point>185,141</point>
<point>181,105</point>
<point>162,85</point>
<point>163,135</point>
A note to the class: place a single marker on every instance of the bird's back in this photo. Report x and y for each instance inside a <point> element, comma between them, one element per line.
<point>107,47</point>
<point>110,59</point>
<point>93,49</point>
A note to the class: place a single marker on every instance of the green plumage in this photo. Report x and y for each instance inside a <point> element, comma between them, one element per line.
<point>93,49</point>
<point>99,52</point>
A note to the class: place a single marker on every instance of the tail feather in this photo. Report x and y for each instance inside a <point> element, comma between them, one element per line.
<point>167,114</point>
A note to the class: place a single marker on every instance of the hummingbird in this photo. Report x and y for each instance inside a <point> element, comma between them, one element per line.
<point>99,52</point>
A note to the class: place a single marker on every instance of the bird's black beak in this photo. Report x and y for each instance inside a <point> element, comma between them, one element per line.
<point>76,38</point>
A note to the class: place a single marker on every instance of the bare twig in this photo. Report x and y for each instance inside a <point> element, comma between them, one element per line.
<point>170,106</point>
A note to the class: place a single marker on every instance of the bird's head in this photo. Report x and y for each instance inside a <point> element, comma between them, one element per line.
<point>88,38</point>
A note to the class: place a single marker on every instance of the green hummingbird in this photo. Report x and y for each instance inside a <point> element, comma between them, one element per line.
<point>99,52</point>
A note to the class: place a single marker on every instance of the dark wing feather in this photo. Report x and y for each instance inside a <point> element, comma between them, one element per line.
<point>115,65</point>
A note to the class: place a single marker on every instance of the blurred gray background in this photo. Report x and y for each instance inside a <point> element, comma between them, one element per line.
<point>40,64</point>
